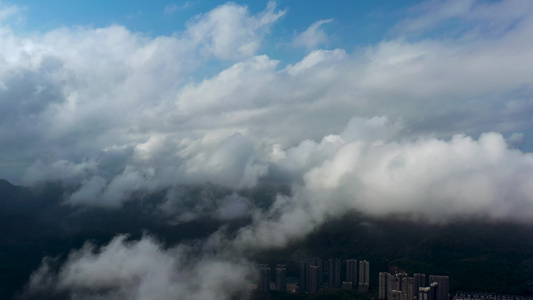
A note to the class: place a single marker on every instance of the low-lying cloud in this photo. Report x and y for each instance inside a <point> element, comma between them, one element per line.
<point>143,269</point>
<point>367,169</point>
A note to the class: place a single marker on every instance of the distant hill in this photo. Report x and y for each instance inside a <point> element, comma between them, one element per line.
<point>478,256</point>
<point>35,222</point>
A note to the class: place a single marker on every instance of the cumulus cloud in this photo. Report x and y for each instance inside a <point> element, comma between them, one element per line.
<point>92,93</point>
<point>376,173</point>
<point>228,32</point>
<point>366,167</point>
<point>411,126</point>
<point>231,163</point>
<point>143,269</point>
<point>187,203</point>
<point>122,102</point>
<point>233,207</point>
<point>516,140</point>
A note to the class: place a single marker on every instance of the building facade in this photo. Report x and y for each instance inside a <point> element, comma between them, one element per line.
<point>304,276</point>
<point>281,278</point>
<point>351,272</point>
<point>264,278</point>
<point>408,287</point>
<point>443,283</point>
<point>383,278</point>
<point>334,273</point>
<point>313,279</point>
<point>419,281</point>
<point>364,276</point>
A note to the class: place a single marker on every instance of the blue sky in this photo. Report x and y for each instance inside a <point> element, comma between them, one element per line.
<point>355,23</point>
<point>163,17</point>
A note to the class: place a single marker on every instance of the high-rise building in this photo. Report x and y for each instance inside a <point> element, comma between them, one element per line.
<point>334,272</point>
<point>317,262</point>
<point>433,291</point>
<point>398,282</point>
<point>264,278</point>
<point>313,279</point>
<point>398,295</point>
<point>393,284</point>
<point>383,278</point>
<point>407,287</point>
<point>304,276</point>
<point>281,278</point>
<point>423,293</point>
<point>364,276</point>
<point>351,271</point>
<point>419,281</point>
<point>400,277</point>
<point>428,293</point>
<point>443,286</point>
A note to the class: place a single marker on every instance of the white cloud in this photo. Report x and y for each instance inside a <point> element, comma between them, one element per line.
<point>228,32</point>
<point>313,36</point>
<point>403,126</point>
<point>10,12</point>
<point>233,207</point>
<point>117,113</point>
<point>489,17</point>
<point>81,91</point>
<point>170,134</point>
<point>232,163</point>
<point>61,170</point>
<point>436,12</point>
<point>366,168</point>
<point>516,140</point>
<point>143,269</point>
<point>377,174</point>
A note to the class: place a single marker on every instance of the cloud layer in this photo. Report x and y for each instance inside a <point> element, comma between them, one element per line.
<point>427,123</point>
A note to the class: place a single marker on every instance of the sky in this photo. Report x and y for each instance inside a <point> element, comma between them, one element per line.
<point>368,20</point>
<point>420,108</point>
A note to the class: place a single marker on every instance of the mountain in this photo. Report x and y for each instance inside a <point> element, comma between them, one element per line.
<point>478,255</point>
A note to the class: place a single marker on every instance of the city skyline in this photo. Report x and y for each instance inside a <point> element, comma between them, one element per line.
<point>395,286</point>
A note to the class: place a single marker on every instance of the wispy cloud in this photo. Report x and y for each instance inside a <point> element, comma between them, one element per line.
<point>459,16</point>
<point>313,36</point>
<point>171,9</point>
<point>8,12</point>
